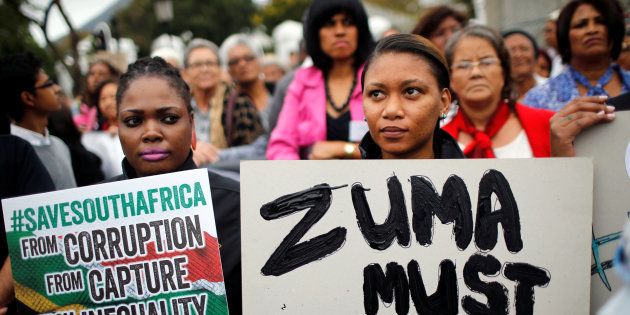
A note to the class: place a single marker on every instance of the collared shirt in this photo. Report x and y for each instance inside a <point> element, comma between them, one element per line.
<point>558,91</point>
<point>34,138</point>
<point>53,153</point>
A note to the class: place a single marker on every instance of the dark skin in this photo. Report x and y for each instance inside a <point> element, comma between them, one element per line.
<point>156,128</point>
<point>338,39</point>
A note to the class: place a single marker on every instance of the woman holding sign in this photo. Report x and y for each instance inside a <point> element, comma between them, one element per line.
<point>156,130</point>
<point>405,94</point>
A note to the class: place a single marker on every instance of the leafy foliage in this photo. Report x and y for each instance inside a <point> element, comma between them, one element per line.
<point>213,20</point>
<point>16,38</point>
<point>277,11</point>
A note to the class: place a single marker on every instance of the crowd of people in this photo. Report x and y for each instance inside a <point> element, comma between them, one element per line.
<point>450,89</point>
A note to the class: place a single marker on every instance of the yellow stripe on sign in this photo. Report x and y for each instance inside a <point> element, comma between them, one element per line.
<point>39,303</point>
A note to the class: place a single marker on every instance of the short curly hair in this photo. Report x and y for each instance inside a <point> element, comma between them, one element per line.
<point>154,67</point>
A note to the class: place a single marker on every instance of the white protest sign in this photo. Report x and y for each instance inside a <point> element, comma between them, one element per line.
<point>141,246</point>
<point>317,241</point>
<point>607,144</point>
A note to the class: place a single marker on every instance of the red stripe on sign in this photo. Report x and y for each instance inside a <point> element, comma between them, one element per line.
<point>203,263</point>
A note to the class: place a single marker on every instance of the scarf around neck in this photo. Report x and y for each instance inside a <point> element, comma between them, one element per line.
<point>481,145</point>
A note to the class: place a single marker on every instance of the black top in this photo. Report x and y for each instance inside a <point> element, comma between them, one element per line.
<point>621,102</point>
<point>227,206</point>
<point>22,174</point>
<point>338,129</point>
<point>444,147</point>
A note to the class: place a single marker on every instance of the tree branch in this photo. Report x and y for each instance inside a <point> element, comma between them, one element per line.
<point>73,70</point>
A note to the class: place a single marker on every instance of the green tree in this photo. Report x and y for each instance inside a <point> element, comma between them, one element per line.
<point>15,35</point>
<point>277,11</point>
<point>405,6</point>
<point>213,20</point>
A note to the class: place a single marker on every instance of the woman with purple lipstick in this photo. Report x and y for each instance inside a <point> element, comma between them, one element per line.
<point>156,130</point>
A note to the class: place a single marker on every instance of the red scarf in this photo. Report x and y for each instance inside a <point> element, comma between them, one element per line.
<point>481,145</point>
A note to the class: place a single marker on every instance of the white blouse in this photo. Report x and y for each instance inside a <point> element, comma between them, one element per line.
<point>518,148</point>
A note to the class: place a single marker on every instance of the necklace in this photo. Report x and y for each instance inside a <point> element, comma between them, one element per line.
<point>346,103</point>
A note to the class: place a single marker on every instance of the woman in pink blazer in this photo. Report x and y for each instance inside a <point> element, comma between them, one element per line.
<point>323,103</point>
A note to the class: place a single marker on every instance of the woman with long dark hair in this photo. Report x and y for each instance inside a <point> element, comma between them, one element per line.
<point>324,100</point>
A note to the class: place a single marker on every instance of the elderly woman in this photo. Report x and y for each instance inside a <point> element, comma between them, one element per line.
<point>590,34</point>
<point>203,73</point>
<point>405,93</point>
<point>489,122</point>
<point>242,117</point>
<point>439,23</point>
<point>523,58</point>
<point>323,103</point>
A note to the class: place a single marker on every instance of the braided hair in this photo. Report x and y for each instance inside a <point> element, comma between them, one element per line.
<point>154,67</point>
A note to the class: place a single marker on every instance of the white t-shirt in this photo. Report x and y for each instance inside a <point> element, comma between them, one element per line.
<point>108,148</point>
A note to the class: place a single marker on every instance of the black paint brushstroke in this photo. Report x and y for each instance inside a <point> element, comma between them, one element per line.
<point>289,256</point>
<point>444,300</point>
<point>397,223</point>
<point>526,277</point>
<point>487,220</point>
<point>387,285</point>
<point>453,206</point>
<point>496,293</point>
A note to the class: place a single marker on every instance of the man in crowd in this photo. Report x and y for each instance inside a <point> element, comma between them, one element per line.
<point>30,96</point>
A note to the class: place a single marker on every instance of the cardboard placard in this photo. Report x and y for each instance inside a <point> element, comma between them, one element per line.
<point>141,246</point>
<point>317,241</point>
<point>608,145</point>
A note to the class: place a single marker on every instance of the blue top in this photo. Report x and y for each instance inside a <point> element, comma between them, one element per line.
<point>557,91</point>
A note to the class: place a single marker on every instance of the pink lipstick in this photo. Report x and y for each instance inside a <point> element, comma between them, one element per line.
<point>154,154</point>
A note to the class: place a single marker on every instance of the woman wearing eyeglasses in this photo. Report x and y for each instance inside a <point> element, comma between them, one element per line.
<point>202,71</point>
<point>489,123</point>
<point>243,121</point>
<point>323,103</point>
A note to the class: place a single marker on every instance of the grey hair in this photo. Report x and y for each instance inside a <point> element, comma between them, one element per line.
<point>237,40</point>
<point>200,43</point>
<point>496,41</point>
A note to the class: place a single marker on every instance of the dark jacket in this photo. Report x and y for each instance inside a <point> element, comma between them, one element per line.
<point>444,147</point>
<point>22,174</point>
<point>227,206</point>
